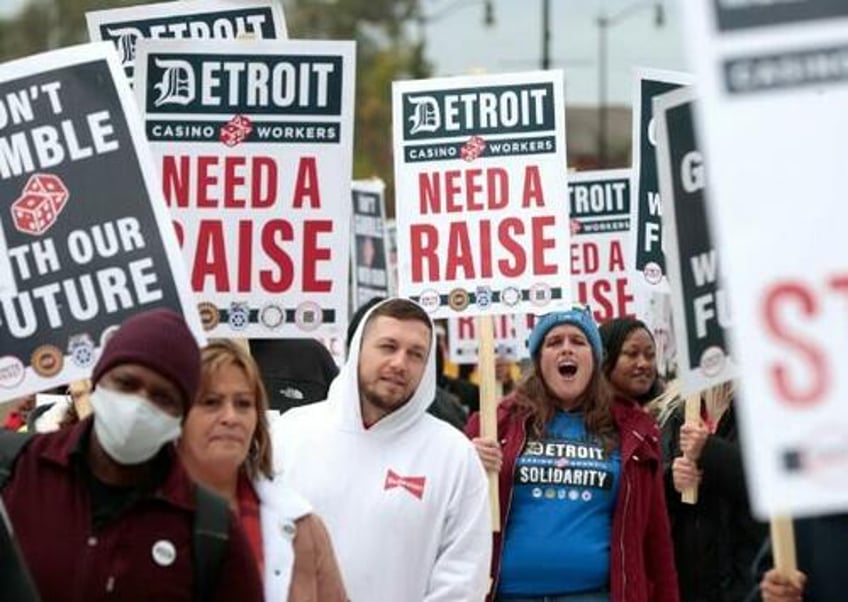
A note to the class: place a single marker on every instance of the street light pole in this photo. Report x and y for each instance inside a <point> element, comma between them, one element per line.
<point>546,34</point>
<point>604,22</point>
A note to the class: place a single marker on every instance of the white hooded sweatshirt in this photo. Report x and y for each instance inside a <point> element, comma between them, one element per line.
<point>405,501</point>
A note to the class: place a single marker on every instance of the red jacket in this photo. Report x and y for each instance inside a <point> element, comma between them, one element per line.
<point>641,553</point>
<point>144,554</point>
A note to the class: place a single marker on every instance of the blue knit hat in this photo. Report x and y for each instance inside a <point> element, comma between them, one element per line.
<point>579,316</point>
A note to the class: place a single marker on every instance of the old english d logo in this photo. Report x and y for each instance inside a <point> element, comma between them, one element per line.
<point>414,485</point>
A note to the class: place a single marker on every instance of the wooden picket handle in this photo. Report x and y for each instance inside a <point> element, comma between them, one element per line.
<point>488,404</point>
<point>783,545</point>
<point>692,415</point>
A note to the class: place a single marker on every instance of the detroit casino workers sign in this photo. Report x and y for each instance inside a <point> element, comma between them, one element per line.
<point>481,193</point>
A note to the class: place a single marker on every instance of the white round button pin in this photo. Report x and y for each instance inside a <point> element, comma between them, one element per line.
<point>164,553</point>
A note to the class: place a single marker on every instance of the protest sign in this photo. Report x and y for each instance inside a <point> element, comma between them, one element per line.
<point>645,204</point>
<point>370,275</point>
<point>210,19</point>
<point>699,301</point>
<point>773,87</point>
<point>254,143</point>
<point>480,180</point>
<point>464,340</point>
<point>599,206</point>
<point>87,232</point>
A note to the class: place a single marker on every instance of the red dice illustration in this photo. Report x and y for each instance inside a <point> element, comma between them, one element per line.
<point>50,185</point>
<point>473,148</point>
<point>33,213</point>
<point>236,130</point>
<point>40,203</point>
<point>231,135</point>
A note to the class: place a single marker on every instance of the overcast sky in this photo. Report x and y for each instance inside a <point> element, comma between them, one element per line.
<point>459,43</point>
<point>8,7</point>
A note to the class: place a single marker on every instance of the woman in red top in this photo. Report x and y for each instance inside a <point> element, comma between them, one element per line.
<point>226,446</point>
<point>582,506</point>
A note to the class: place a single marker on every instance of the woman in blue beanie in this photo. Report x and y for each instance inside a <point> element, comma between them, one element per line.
<point>582,506</point>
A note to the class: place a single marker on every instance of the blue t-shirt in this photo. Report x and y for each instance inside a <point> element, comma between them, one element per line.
<point>557,538</point>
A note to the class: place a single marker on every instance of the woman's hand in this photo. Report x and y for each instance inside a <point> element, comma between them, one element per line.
<point>692,440</point>
<point>777,588</point>
<point>490,453</point>
<point>685,474</point>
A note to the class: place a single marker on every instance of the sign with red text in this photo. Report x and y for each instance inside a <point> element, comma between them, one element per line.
<point>463,339</point>
<point>646,205</point>
<point>772,91</point>
<point>369,259</point>
<point>185,19</point>
<point>702,317</point>
<point>83,221</point>
<point>254,141</point>
<point>599,206</point>
<point>480,193</point>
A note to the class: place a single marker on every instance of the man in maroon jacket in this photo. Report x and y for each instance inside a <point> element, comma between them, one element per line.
<point>104,510</point>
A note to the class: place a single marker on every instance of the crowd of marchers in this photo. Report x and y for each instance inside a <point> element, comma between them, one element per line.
<point>173,475</point>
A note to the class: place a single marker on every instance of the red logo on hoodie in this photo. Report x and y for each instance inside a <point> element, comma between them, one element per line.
<point>414,485</point>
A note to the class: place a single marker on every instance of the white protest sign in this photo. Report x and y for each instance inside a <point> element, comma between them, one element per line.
<point>463,339</point>
<point>480,193</point>
<point>369,259</point>
<point>254,141</point>
<point>699,301</point>
<point>185,19</point>
<point>773,87</point>
<point>648,261</point>
<point>49,399</point>
<point>599,205</point>
<point>86,229</point>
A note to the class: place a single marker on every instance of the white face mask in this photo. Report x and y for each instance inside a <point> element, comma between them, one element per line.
<point>129,428</point>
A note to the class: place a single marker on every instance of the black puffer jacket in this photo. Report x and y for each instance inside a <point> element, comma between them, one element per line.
<point>715,540</point>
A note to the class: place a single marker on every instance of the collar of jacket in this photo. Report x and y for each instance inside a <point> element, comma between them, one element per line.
<point>638,432</point>
<point>68,446</point>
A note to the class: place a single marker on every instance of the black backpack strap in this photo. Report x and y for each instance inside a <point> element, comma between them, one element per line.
<point>11,445</point>
<point>209,540</point>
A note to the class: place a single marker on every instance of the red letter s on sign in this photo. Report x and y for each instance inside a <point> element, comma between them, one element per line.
<point>779,298</point>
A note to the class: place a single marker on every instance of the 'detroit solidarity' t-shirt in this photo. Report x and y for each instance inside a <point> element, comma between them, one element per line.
<point>557,538</point>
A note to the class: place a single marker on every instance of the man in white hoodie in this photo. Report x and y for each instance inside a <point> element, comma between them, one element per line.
<point>403,494</point>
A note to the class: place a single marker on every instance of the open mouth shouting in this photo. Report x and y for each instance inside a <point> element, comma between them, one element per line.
<point>567,369</point>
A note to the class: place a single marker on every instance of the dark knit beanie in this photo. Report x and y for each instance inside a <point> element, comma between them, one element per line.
<point>160,340</point>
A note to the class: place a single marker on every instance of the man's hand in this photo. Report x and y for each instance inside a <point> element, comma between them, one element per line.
<point>685,474</point>
<point>777,588</point>
<point>692,440</point>
<point>490,453</point>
